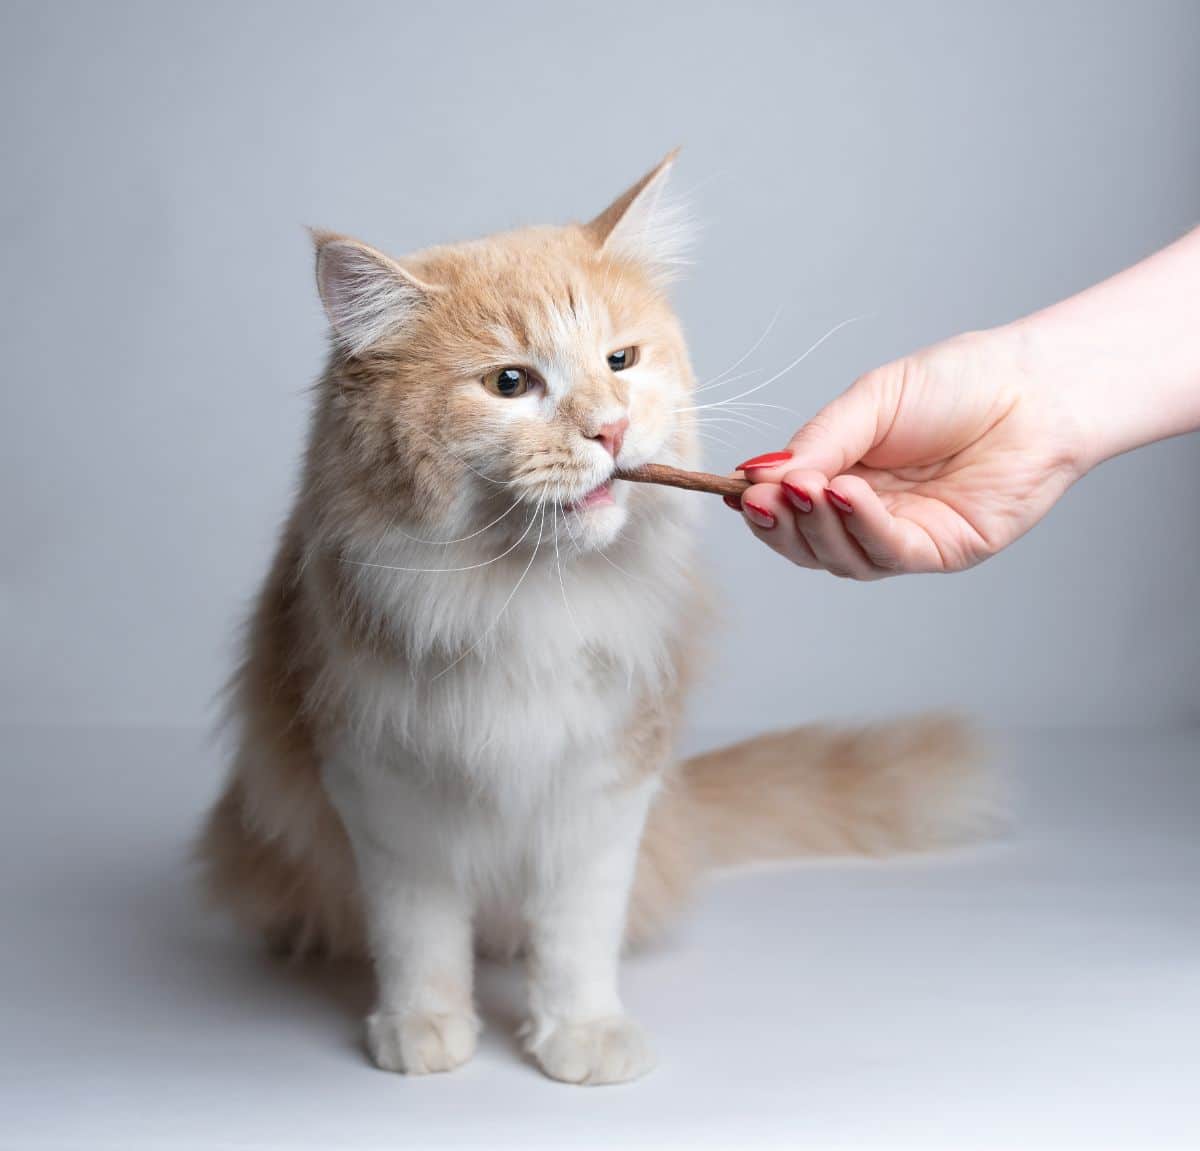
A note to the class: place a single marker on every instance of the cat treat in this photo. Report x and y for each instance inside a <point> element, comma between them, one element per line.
<point>692,481</point>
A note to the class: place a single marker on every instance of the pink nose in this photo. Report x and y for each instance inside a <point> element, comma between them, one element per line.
<point>612,436</point>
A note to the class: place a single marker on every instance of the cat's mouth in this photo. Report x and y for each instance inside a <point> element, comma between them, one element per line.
<point>599,496</point>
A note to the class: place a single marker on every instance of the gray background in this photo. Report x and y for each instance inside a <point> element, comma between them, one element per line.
<point>942,167</point>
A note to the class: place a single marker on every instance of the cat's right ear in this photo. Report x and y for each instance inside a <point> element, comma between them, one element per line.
<point>366,294</point>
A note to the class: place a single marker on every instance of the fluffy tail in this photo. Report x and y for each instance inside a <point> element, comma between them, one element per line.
<point>903,786</point>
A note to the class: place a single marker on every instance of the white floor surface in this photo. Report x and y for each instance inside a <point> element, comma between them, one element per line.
<point>1042,990</point>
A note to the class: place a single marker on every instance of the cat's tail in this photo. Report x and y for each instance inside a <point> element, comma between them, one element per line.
<point>902,786</point>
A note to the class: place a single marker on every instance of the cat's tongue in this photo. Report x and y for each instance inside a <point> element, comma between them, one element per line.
<point>597,497</point>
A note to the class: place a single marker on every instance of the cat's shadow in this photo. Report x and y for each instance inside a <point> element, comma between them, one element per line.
<point>241,979</point>
<point>345,990</point>
<point>205,959</point>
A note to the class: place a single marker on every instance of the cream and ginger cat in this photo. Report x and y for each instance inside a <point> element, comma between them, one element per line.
<point>463,677</point>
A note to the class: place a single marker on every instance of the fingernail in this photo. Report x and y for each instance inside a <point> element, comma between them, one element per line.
<point>734,502</point>
<point>798,498</point>
<point>842,504</point>
<point>757,515</point>
<point>764,461</point>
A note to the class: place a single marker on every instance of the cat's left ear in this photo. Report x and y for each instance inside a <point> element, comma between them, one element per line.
<point>644,225</point>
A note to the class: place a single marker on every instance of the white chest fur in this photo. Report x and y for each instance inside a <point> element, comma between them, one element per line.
<point>506,687</point>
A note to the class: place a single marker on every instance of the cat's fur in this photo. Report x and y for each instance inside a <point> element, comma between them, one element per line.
<point>430,760</point>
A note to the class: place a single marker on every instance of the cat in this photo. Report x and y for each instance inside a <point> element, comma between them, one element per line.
<point>463,678</point>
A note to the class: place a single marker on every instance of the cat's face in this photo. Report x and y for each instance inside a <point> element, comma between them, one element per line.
<point>512,376</point>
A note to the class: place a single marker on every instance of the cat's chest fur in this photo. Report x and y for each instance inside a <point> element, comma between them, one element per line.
<point>498,685</point>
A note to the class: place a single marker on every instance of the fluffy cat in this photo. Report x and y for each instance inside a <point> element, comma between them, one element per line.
<point>463,677</point>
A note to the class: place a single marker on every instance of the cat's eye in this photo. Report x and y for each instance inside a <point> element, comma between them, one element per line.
<point>509,382</point>
<point>623,358</point>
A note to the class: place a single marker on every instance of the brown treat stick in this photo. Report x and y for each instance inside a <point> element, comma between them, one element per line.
<point>693,481</point>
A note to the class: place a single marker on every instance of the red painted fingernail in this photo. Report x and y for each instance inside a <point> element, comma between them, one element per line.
<point>798,497</point>
<point>765,461</point>
<point>756,515</point>
<point>734,502</point>
<point>842,504</point>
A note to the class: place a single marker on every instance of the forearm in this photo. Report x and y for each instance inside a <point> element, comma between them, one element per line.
<point>1124,356</point>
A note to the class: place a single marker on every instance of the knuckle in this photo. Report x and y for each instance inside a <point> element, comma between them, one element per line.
<point>817,428</point>
<point>881,381</point>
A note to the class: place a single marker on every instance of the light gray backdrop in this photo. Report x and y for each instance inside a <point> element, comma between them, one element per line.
<point>942,166</point>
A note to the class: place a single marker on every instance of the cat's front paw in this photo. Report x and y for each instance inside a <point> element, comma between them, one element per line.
<point>611,1050</point>
<point>419,1044</point>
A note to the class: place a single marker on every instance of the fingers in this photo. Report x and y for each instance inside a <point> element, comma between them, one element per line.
<point>801,523</point>
<point>891,545</point>
<point>866,521</point>
<point>823,527</point>
<point>841,526</point>
<point>773,520</point>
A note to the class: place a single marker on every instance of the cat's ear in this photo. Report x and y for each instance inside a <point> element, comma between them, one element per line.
<point>645,225</point>
<point>366,294</point>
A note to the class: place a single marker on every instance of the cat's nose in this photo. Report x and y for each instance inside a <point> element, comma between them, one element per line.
<point>612,435</point>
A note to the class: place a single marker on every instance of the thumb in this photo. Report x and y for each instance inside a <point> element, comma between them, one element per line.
<point>844,431</point>
<point>841,433</point>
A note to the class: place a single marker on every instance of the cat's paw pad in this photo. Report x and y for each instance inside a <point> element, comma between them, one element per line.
<point>612,1050</point>
<point>419,1044</point>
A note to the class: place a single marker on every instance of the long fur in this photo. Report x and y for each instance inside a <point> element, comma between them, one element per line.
<point>461,687</point>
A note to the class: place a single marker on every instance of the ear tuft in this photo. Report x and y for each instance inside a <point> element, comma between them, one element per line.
<point>646,226</point>
<point>366,294</point>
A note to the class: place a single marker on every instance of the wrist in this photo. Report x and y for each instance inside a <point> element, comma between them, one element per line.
<point>1058,381</point>
<point>1120,362</point>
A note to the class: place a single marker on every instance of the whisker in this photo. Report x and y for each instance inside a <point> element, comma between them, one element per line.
<point>441,543</point>
<point>708,436</point>
<point>562,583</point>
<point>391,524</point>
<point>745,419</point>
<point>723,383</point>
<point>737,405</point>
<point>758,404</point>
<point>503,607</point>
<point>443,571</point>
<point>571,535</point>
<point>471,467</point>
<point>718,379</point>
<point>735,420</point>
<point>611,563</point>
<point>782,372</point>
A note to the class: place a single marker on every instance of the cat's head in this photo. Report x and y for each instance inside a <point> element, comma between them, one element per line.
<point>518,371</point>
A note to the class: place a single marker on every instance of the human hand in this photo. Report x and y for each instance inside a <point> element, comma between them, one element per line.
<point>931,463</point>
